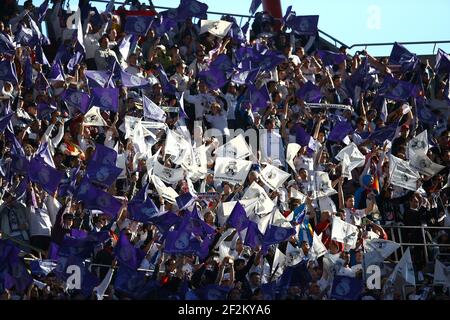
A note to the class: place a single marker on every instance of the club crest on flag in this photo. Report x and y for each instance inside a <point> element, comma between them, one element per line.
<point>104,201</point>
<point>182,241</point>
<point>405,178</point>
<point>231,169</point>
<point>102,174</point>
<point>167,173</point>
<point>135,81</point>
<point>271,175</point>
<point>280,234</point>
<point>139,26</point>
<point>417,144</point>
<point>91,118</point>
<point>75,98</point>
<point>423,164</point>
<point>343,287</point>
<point>105,100</point>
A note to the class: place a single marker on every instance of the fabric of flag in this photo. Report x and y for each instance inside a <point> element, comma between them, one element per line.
<point>402,175</point>
<point>340,131</point>
<point>141,208</point>
<point>165,221</point>
<point>222,62</point>
<point>258,97</point>
<point>163,25</point>
<point>43,152</point>
<point>5,121</point>
<point>231,170</point>
<point>330,58</point>
<point>218,28</point>
<point>98,78</point>
<point>275,235</point>
<point>130,282</point>
<point>253,237</point>
<point>75,60</point>
<point>41,11</point>
<point>44,110</point>
<point>273,177</point>
<point>424,113</point>
<point>104,155</point>
<point>152,111</point>
<point>106,98</point>
<point>362,78</point>
<point>95,198</point>
<point>398,90</point>
<point>80,245</point>
<point>296,275</point>
<point>191,9</point>
<point>131,81</point>
<point>185,200</point>
<point>127,254</point>
<point>346,288</point>
<point>301,136</point>
<point>181,242</point>
<point>303,25</point>
<point>305,232</point>
<point>42,267</point>
<point>44,175</point>
<point>28,74</point>
<point>299,214</point>
<point>168,88</point>
<point>309,92</point>
<point>77,99</point>
<point>103,174</point>
<point>344,232</point>
<point>238,217</point>
<point>401,56</point>
<point>8,71</point>
<point>254,5</point>
<point>214,78</point>
<point>213,292</point>
<point>442,62</point>
<point>6,45</point>
<point>380,135</point>
<point>267,60</point>
<point>138,25</point>
<point>56,72</point>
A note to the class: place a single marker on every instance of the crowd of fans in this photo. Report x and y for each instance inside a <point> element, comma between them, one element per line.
<point>131,246</point>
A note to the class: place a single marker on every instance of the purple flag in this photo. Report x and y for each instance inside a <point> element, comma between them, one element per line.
<point>185,200</point>
<point>74,60</point>
<point>168,88</point>
<point>238,217</point>
<point>346,288</point>
<point>442,62</point>
<point>254,6</point>
<point>28,73</point>
<point>43,152</point>
<point>276,235</point>
<point>5,120</point>
<point>340,131</point>
<point>331,58</point>
<point>22,277</point>
<point>192,9</point>
<point>398,90</point>
<point>213,292</point>
<point>165,221</point>
<point>127,254</point>
<point>40,56</point>
<point>142,211</point>
<point>8,71</point>
<point>56,72</point>
<point>401,56</point>
<point>6,45</point>
<point>361,78</point>
<point>95,198</point>
<point>131,81</point>
<point>253,237</point>
<point>303,25</point>
<point>309,93</point>
<point>41,11</point>
<point>223,63</point>
<point>44,110</point>
<point>106,98</point>
<point>77,99</point>
<point>103,174</point>
<point>104,155</point>
<point>302,137</point>
<point>287,14</point>
<point>163,25</point>
<point>179,242</point>
<point>269,60</point>
<point>258,97</point>
<point>44,175</point>
<point>138,25</point>
<point>41,82</point>
<point>385,133</point>
<point>214,78</point>
<point>99,78</point>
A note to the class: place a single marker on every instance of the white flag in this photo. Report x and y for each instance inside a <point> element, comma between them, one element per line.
<point>167,193</point>
<point>149,125</point>
<point>293,255</point>
<point>376,250</point>
<point>418,144</point>
<point>94,118</point>
<point>129,125</point>
<point>357,159</point>
<point>176,146</point>
<point>298,195</point>
<point>404,269</point>
<point>217,28</point>
<point>273,177</point>
<point>279,220</point>
<point>424,165</point>
<point>224,211</point>
<point>402,175</point>
<point>231,170</point>
<point>441,274</point>
<point>291,152</point>
<point>152,111</point>
<point>236,148</point>
<point>345,163</point>
<point>139,139</point>
<point>279,261</point>
<point>166,174</point>
<point>318,249</point>
<point>322,185</point>
<point>344,232</point>
<point>263,205</point>
<point>326,204</point>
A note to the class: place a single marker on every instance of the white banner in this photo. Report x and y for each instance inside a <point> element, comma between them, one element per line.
<point>298,195</point>
<point>345,165</point>
<point>273,177</point>
<point>402,175</point>
<point>236,148</point>
<point>318,249</point>
<point>153,125</point>
<point>231,170</point>
<point>344,232</point>
<point>322,185</point>
<point>328,106</point>
<point>167,193</point>
<point>218,28</point>
<point>291,152</point>
<point>129,126</point>
<point>93,118</point>
<point>424,164</point>
<point>263,205</point>
<point>357,159</point>
<point>176,146</point>
<point>418,144</point>
<point>166,174</point>
<point>152,111</point>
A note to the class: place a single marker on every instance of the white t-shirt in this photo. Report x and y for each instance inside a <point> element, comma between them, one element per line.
<point>219,122</point>
<point>40,224</point>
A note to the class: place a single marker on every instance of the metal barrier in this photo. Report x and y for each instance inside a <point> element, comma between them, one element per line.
<point>425,243</point>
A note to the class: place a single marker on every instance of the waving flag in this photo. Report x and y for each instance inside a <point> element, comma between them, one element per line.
<point>253,236</point>
<point>164,221</point>
<point>258,97</point>
<point>402,175</point>
<point>346,288</point>
<point>191,9</point>
<point>401,56</point>
<point>331,58</point>
<point>275,235</point>
<point>6,45</point>
<point>95,198</point>
<point>218,28</point>
<point>398,90</point>
<point>104,174</point>
<point>296,275</point>
<point>273,177</point>
<point>231,170</point>
<point>5,120</point>
<point>340,131</point>
<point>127,254</point>
<point>168,88</point>
<point>106,98</point>
<point>99,78</point>
<point>104,155</point>
<point>8,71</point>
<point>44,110</point>
<point>442,62</point>
<point>254,6</point>
<point>152,111</point>
<point>47,177</point>
<point>138,25</point>
<point>131,81</point>
<point>309,92</point>
<point>380,135</point>
<point>238,217</point>
<point>214,78</point>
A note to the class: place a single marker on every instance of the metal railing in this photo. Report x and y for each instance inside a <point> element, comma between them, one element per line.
<point>379,44</point>
<point>425,244</point>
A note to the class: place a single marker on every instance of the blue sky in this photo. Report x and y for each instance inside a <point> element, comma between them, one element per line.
<point>362,21</point>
